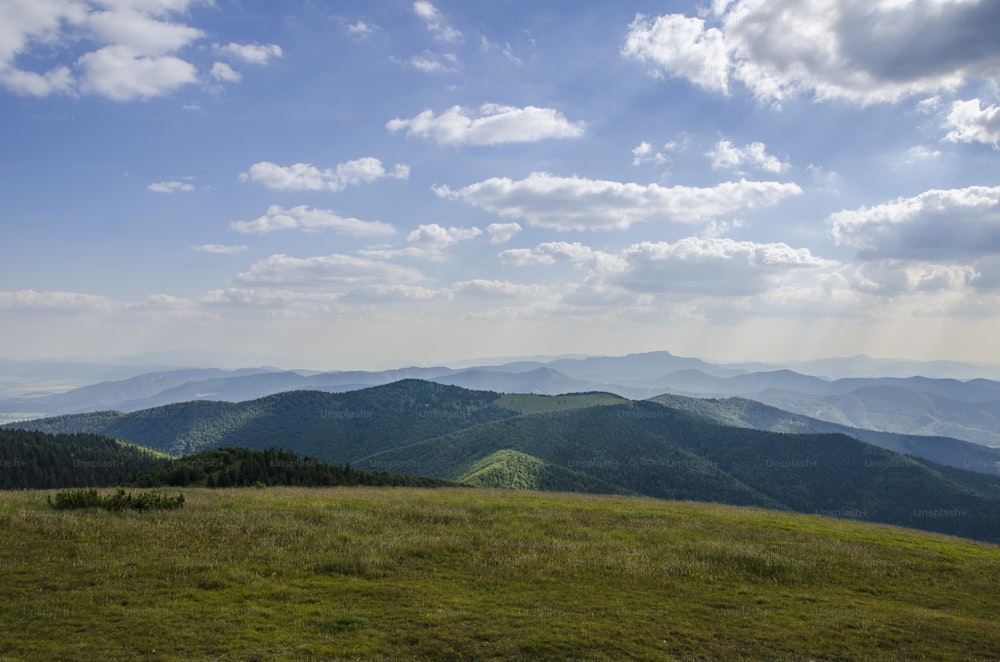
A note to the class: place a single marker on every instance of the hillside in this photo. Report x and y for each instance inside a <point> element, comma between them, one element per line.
<point>513,470</point>
<point>648,449</point>
<point>742,412</point>
<point>36,460</point>
<point>365,573</point>
<point>586,442</point>
<point>240,467</point>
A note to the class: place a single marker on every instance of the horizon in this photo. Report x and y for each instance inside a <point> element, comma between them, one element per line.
<point>428,182</point>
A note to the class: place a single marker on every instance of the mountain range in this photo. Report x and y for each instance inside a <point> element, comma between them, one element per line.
<point>941,407</point>
<point>587,442</point>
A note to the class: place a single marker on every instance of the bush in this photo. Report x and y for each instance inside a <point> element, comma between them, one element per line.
<point>73,499</point>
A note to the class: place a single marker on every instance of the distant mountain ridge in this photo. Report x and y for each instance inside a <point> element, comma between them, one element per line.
<point>848,401</point>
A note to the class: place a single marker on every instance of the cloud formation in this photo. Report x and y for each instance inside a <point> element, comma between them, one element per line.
<point>491,124</point>
<point>862,52</point>
<point>969,122</point>
<point>576,203</point>
<point>310,220</point>
<point>939,224</point>
<point>436,22</point>
<point>726,156</point>
<point>307,177</point>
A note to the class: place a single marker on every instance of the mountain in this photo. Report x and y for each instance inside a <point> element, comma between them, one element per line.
<point>583,441</point>
<point>897,409</point>
<point>742,412</point>
<point>655,451</point>
<point>36,460</point>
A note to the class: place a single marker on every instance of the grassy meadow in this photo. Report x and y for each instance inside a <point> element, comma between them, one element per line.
<point>407,573</point>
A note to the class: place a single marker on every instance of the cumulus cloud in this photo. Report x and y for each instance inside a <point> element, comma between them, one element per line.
<point>250,53</point>
<point>170,187</point>
<point>937,224</point>
<point>311,220</point>
<point>53,302</point>
<point>135,47</point>
<point>502,232</point>
<point>551,252</point>
<point>683,47</point>
<point>120,74</point>
<point>221,249</point>
<point>714,265</point>
<point>491,289</point>
<point>427,241</point>
<point>969,122</point>
<point>576,203</point>
<point>344,271</point>
<point>222,71</point>
<point>432,64</point>
<point>491,124</point>
<point>133,50</point>
<point>436,22</point>
<point>861,52</point>
<point>726,156</point>
<point>307,177</point>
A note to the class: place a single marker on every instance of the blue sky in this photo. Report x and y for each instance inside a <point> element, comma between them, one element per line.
<point>361,184</point>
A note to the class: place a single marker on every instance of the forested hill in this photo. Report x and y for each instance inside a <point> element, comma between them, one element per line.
<point>241,467</point>
<point>35,460</point>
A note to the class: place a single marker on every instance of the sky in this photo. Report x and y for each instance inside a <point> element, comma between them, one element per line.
<point>361,185</point>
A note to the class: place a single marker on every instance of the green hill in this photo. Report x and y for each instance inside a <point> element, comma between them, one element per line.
<point>36,460</point>
<point>584,442</point>
<point>368,573</point>
<point>333,427</point>
<point>509,469</point>
<point>648,449</point>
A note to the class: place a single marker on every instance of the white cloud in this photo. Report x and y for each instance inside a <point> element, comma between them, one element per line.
<point>303,218</point>
<point>717,266</point>
<point>726,156</point>
<point>170,187</point>
<point>971,123</point>
<point>307,177</point>
<point>251,53</point>
<point>489,289</point>
<point>222,71</point>
<point>53,302</point>
<point>140,33</point>
<point>361,28</point>
<point>221,249</point>
<point>120,74</point>
<point>492,124</point>
<point>862,52</point>
<point>551,252</point>
<point>502,232</point>
<point>343,271</point>
<point>937,224</point>
<point>575,203</point>
<point>427,241</point>
<point>436,21</point>
<point>430,64</point>
<point>683,47</point>
<point>134,44</point>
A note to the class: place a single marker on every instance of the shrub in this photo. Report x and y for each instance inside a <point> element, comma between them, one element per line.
<point>89,498</point>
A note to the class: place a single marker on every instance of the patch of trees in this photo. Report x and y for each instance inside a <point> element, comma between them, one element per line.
<point>36,460</point>
<point>241,467</point>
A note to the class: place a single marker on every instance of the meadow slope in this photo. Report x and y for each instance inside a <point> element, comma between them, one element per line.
<point>368,573</point>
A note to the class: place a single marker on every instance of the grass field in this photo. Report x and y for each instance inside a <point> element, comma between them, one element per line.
<point>393,573</point>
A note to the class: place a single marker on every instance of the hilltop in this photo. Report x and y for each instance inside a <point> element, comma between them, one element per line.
<point>370,573</point>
